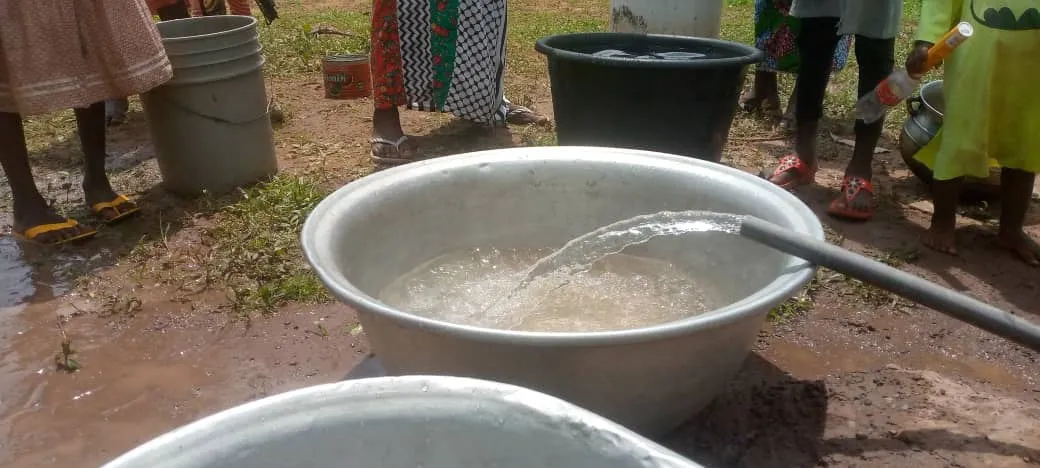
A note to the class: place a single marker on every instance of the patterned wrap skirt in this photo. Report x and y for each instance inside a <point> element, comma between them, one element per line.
<point>57,54</point>
<point>440,56</point>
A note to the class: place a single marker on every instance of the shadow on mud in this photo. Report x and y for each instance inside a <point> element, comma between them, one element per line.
<point>763,415</point>
<point>980,263</point>
<point>766,418</point>
<point>459,136</point>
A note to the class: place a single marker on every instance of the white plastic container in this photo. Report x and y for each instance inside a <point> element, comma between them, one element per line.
<point>696,18</point>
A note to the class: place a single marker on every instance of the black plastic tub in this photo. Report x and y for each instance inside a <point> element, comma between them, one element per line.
<point>673,106</point>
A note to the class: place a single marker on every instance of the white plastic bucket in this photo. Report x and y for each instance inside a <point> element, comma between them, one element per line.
<point>696,18</point>
<point>210,123</point>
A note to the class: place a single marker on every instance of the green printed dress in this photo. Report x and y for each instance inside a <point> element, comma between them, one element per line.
<point>440,56</point>
<point>776,34</point>
<point>992,112</point>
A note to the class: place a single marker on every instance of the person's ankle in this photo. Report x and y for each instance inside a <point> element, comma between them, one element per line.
<point>943,220</point>
<point>805,141</point>
<point>386,122</point>
<point>25,205</point>
<point>96,184</point>
<point>864,173</point>
<point>26,212</point>
<point>1012,232</point>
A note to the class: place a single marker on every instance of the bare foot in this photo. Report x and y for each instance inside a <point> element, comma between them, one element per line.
<point>940,240</point>
<point>1022,245</point>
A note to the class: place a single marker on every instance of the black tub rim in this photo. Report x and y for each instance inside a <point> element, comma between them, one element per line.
<point>749,55</point>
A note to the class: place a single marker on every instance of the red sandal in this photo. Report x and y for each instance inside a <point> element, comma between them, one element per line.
<point>801,173</point>
<point>841,207</point>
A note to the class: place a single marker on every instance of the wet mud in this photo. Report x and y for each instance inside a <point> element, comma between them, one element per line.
<point>146,375</point>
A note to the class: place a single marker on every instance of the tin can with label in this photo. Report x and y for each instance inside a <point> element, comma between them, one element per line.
<point>347,76</point>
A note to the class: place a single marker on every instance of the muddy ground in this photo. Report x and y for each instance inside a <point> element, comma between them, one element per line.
<point>848,376</point>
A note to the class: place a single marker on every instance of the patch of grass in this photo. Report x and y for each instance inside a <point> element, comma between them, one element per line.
<point>792,307</point>
<point>43,131</point>
<point>897,257</point>
<point>256,246</point>
<point>845,285</point>
<point>533,135</point>
<point>868,293</point>
<point>297,42</point>
<point>63,360</point>
<point>874,295</point>
<point>529,21</point>
<point>865,293</point>
<point>738,21</point>
<point>291,47</point>
<point>800,304</point>
<point>528,26</point>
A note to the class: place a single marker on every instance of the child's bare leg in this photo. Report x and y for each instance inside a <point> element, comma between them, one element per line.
<point>940,235</point>
<point>1016,189</point>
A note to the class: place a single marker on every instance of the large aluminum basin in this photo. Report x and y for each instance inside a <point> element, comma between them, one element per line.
<point>403,422</point>
<point>373,230</point>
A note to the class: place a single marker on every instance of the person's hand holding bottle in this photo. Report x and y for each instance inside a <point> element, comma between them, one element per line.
<point>917,59</point>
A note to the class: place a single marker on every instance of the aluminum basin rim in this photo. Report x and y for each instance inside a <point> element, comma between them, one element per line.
<point>797,273</point>
<point>366,391</point>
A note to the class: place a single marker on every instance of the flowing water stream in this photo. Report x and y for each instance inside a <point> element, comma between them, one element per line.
<point>584,251</point>
<point>586,285</point>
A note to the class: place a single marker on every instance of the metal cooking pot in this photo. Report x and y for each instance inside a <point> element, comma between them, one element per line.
<point>372,231</point>
<point>925,119</point>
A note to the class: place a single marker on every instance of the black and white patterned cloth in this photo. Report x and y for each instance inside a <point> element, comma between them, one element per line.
<point>476,86</point>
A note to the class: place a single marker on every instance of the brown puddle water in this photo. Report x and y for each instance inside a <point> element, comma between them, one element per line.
<point>142,377</point>
<point>20,282</point>
<point>30,273</point>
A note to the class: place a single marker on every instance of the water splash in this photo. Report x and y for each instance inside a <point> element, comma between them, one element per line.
<point>582,252</point>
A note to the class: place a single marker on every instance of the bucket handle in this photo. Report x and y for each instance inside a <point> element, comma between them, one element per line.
<point>214,118</point>
<point>912,109</point>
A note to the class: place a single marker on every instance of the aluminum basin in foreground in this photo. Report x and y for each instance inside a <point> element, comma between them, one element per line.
<point>403,422</point>
<point>651,379</point>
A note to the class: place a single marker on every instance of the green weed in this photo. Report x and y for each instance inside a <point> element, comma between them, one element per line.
<point>256,246</point>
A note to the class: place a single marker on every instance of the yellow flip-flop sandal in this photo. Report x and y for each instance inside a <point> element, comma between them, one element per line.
<point>113,205</point>
<point>36,231</point>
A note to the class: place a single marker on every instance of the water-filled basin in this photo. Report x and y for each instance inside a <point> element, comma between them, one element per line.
<point>370,232</point>
<point>403,422</point>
